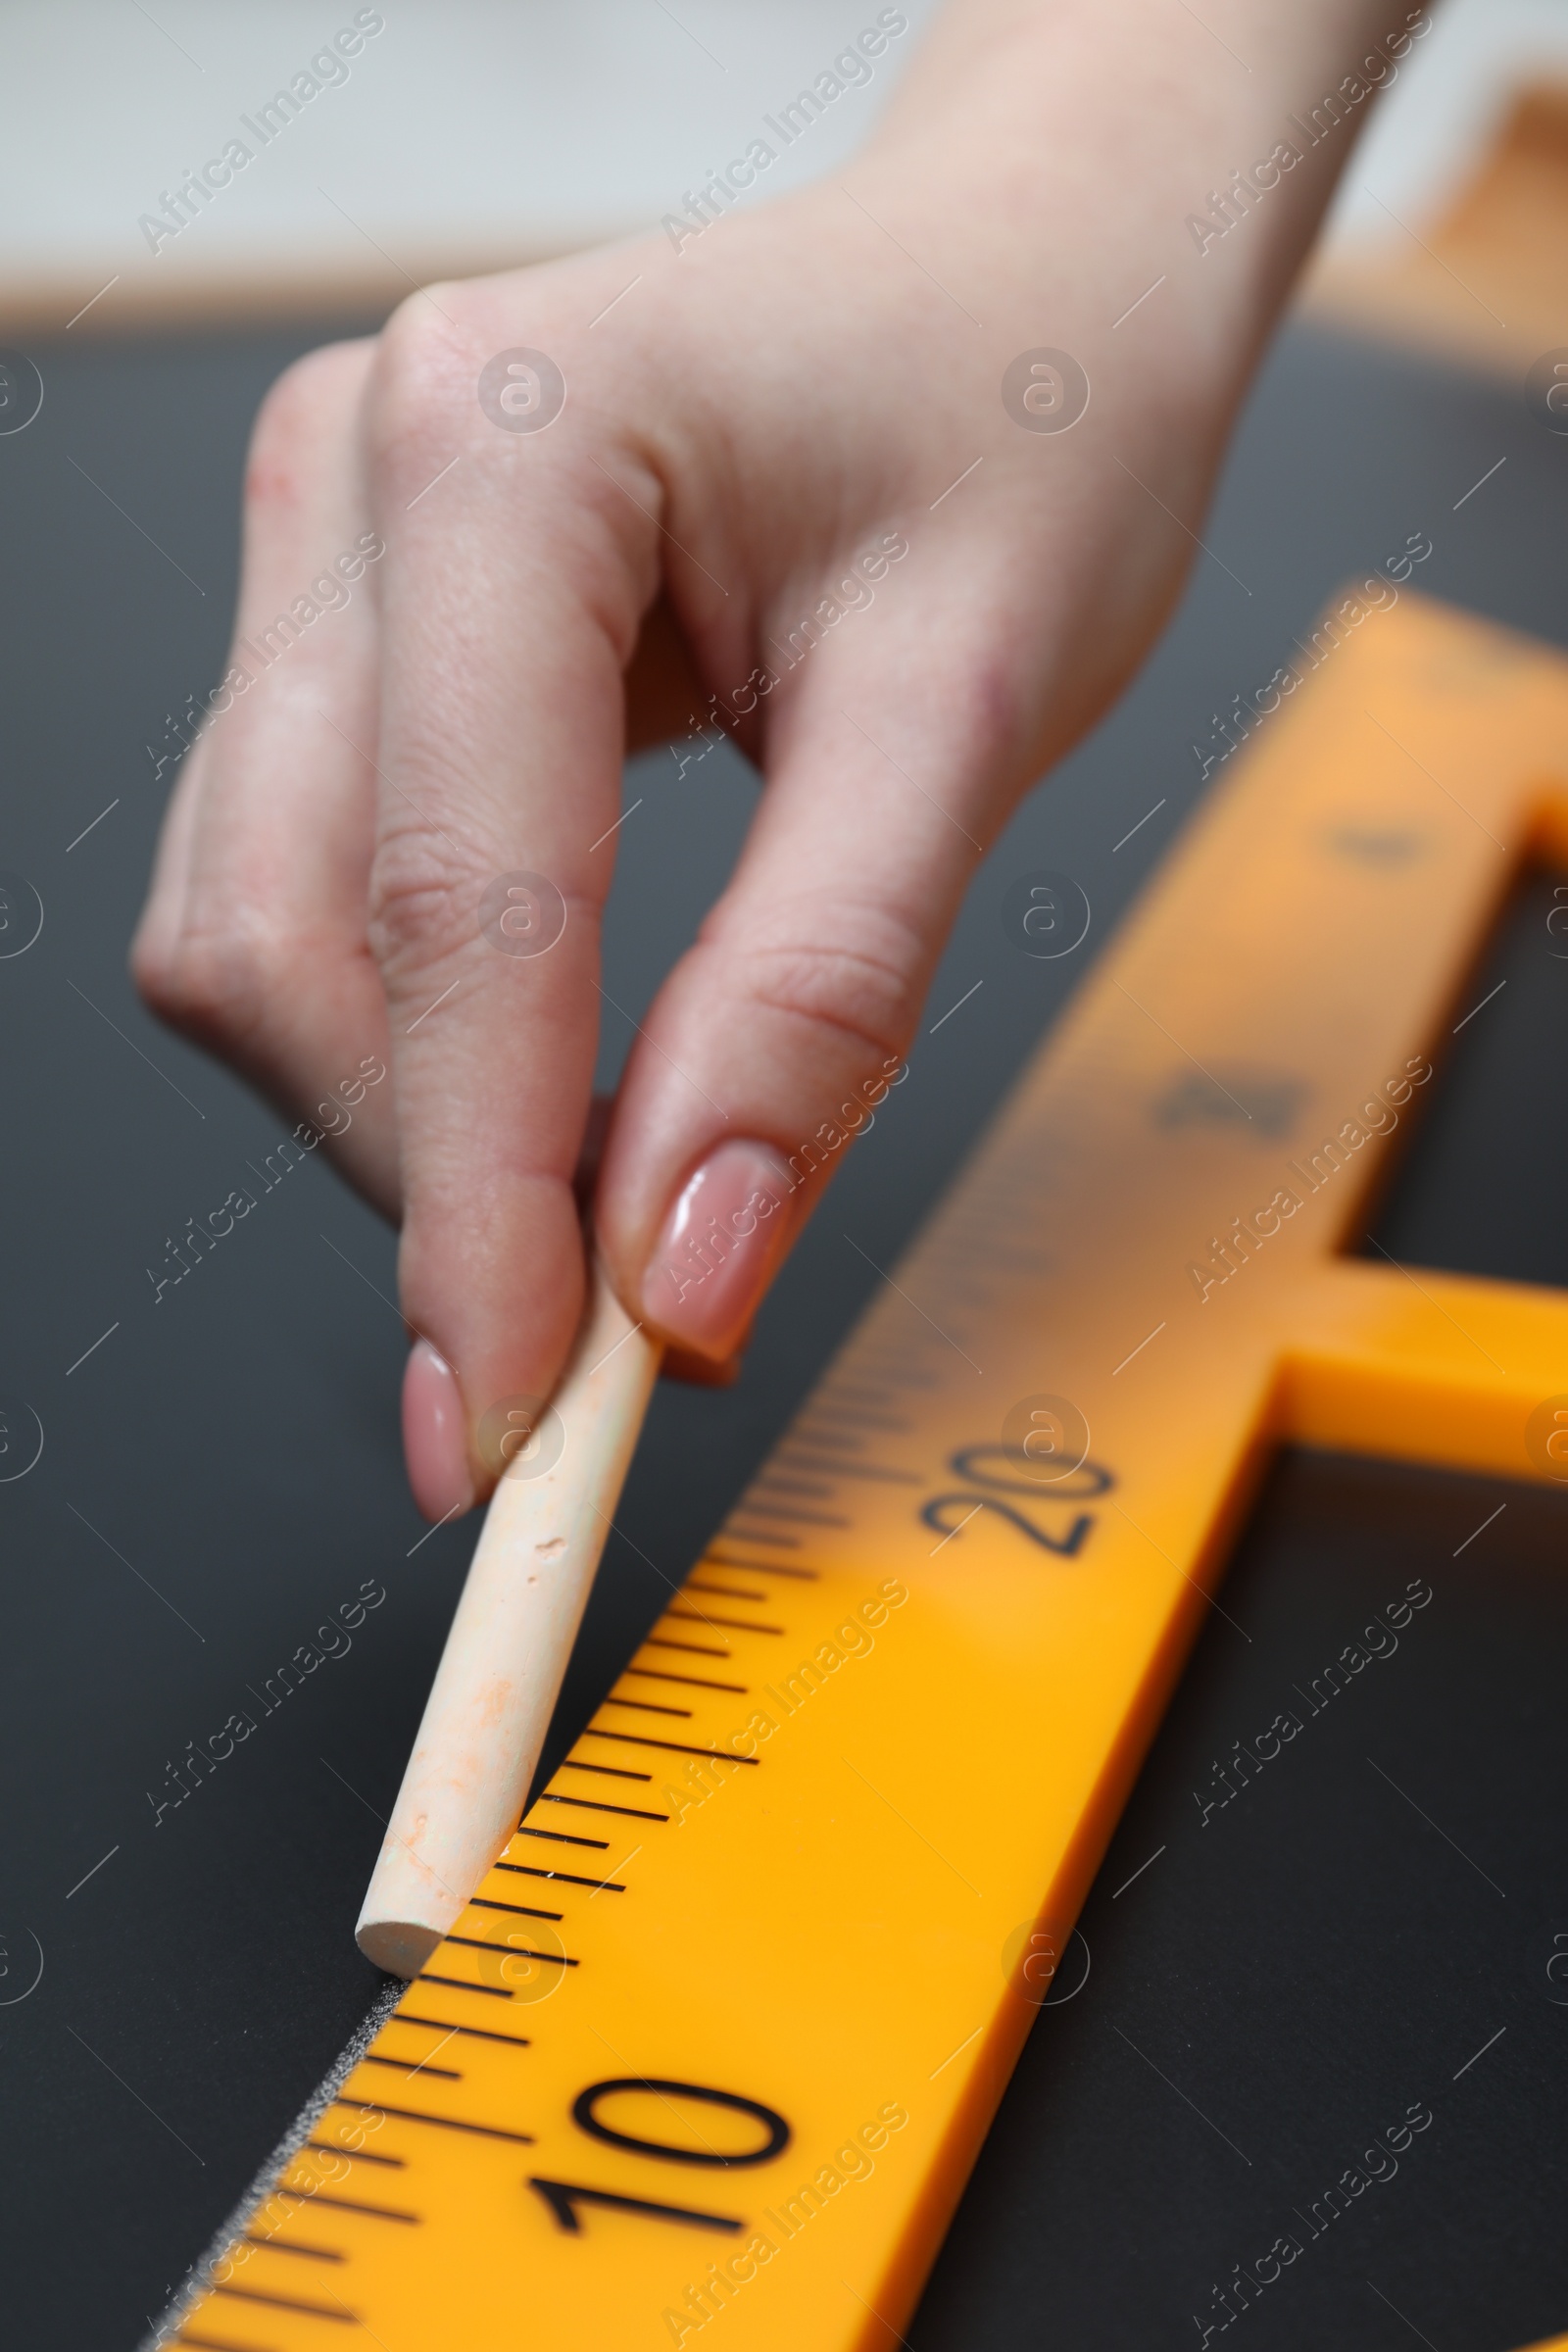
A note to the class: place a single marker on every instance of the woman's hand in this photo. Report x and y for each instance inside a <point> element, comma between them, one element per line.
<point>801,474</point>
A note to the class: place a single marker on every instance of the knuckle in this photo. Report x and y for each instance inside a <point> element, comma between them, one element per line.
<point>422,903</point>
<point>424,374</point>
<point>859,977</point>
<point>290,418</point>
<point>217,982</point>
<point>427,388</point>
<point>427,899</point>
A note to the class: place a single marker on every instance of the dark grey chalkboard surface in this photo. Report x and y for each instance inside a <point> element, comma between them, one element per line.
<point>219,1476</point>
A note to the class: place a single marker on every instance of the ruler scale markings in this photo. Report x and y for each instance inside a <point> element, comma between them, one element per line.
<point>737,1625</point>
<point>719,1560</point>
<point>406,2017</point>
<point>795,1513</point>
<point>211,2344</point>
<point>311,2311</point>
<point>491,1992</point>
<point>560,1878</point>
<point>699,1650</point>
<point>676,1747</point>
<point>659,1674</point>
<point>488,1902</point>
<point>592,1805</point>
<point>447,2123</point>
<point>282,2245</point>
<point>901,1478</point>
<point>820,1488</point>
<point>377,2213</point>
<point>407,2065</point>
<point>1045,1653</point>
<point>769,1539</point>
<point>513,1951</point>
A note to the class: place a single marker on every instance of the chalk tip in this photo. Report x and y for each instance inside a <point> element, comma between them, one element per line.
<point>400,1946</point>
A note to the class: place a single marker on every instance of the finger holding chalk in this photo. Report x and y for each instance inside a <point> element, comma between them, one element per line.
<point>562,1469</point>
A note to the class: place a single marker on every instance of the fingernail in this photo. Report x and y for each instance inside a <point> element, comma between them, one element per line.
<point>720,1245</point>
<point>434,1434</point>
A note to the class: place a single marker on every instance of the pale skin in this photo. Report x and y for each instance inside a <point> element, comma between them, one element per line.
<point>797,385</point>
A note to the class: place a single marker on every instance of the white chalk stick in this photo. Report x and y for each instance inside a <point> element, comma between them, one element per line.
<point>490,1704</point>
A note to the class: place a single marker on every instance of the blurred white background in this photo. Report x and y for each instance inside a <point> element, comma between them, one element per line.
<point>469,132</point>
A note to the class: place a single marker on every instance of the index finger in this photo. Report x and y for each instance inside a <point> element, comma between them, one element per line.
<point>515,578</point>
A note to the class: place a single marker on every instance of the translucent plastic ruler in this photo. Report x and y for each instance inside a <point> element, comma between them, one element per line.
<point>712,2052</point>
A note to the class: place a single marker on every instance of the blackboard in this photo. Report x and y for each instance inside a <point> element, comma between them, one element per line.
<point>219,1473</point>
